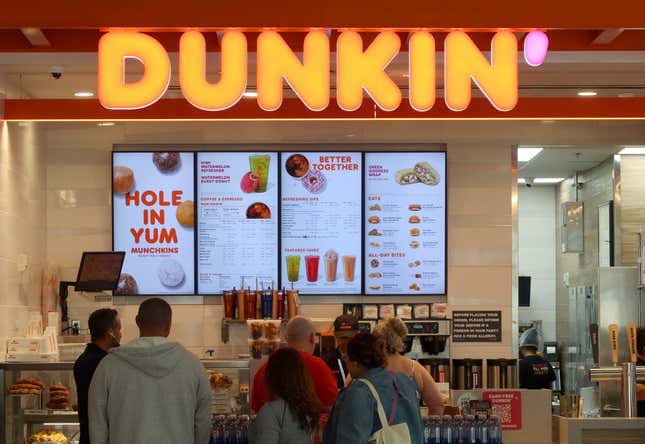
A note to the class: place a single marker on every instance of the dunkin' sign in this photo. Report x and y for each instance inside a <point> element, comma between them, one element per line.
<point>358,70</point>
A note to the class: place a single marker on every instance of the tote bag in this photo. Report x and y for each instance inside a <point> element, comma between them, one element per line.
<point>388,434</point>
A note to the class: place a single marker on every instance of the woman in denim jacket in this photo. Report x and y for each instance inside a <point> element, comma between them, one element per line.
<point>354,419</point>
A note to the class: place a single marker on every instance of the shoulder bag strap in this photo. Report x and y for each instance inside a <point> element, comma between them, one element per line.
<point>379,405</point>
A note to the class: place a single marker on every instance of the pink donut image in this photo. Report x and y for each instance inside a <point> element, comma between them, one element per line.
<point>314,181</point>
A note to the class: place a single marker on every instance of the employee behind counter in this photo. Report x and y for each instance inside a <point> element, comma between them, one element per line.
<point>535,372</point>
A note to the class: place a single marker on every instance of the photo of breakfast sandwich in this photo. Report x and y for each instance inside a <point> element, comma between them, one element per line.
<point>375,207</point>
<point>415,232</point>
<point>414,219</point>
<point>375,287</point>
<point>375,275</point>
<point>414,244</point>
<point>415,287</point>
<point>414,207</point>
<point>375,244</point>
<point>374,219</point>
<point>374,232</point>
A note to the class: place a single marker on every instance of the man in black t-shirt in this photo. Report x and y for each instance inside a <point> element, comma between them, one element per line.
<point>535,371</point>
<point>345,328</point>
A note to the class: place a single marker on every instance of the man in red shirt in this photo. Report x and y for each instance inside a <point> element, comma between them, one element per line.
<point>301,335</point>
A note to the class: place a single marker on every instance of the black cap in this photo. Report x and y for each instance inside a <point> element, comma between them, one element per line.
<point>346,323</point>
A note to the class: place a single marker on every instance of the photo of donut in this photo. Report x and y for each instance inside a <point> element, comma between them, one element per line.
<point>122,179</point>
<point>171,273</point>
<point>166,162</point>
<point>297,165</point>
<point>127,285</point>
<point>186,214</point>
<point>258,210</point>
<point>314,182</point>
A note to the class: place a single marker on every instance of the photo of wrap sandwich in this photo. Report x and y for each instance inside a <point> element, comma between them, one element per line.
<point>422,172</point>
<point>406,176</point>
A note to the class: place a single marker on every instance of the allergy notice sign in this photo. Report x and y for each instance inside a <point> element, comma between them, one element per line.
<point>477,326</point>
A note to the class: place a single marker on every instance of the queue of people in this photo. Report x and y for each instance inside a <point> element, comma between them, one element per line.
<point>154,390</point>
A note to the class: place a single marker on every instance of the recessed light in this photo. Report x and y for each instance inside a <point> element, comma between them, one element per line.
<point>249,94</point>
<point>587,93</point>
<point>83,94</point>
<point>632,150</point>
<point>525,154</point>
<point>105,124</point>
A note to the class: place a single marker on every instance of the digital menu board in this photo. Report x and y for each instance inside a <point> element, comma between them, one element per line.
<point>153,222</point>
<point>405,223</point>
<point>321,227</point>
<point>238,220</point>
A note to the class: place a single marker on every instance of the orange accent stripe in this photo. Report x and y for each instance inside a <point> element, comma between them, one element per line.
<point>293,109</point>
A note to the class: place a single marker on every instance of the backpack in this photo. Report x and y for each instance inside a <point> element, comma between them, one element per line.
<point>388,434</point>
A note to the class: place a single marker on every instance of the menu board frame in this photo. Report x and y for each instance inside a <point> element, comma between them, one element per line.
<point>401,296</point>
<point>139,150</point>
<point>361,148</point>
<point>248,150</point>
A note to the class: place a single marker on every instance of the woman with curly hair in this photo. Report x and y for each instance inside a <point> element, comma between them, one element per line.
<point>393,331</point>
<point>292,415</point>
<point>355,417</point>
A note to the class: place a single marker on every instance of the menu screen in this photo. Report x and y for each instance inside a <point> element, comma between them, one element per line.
<point>405,223</point>
<point>238,220</point>
<point>154,218</point>
<point>321,222</point>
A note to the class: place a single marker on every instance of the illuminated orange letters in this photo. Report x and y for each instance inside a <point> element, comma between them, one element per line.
<point>358,70</point>
<point>497,79</point>
<point>422,71</point>
<point>192,71</point>
<point>113,90</point>
<point>309,80</point>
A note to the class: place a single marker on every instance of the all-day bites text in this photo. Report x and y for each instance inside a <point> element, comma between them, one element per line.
<point>154,218</point>
<point>321,222</point>
<point>238,220</point>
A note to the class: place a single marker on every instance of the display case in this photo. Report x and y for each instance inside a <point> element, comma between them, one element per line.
<point>26,414</point>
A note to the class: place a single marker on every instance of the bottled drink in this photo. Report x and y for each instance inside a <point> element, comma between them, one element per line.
<point>458,433</point>
<point>447,430</point>
<point>217,431</point>
<point>435,430</point>
<point>495,430</point>
<point>483,436</point>
<point>243,429</point>
<point>230,432</point>
<point>470,426</point>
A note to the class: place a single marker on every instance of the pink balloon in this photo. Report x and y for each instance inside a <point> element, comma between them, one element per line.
<point>536,45</point>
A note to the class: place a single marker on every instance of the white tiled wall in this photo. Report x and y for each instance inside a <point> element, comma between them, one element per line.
<point>537,246</point>
<point>22,225</point>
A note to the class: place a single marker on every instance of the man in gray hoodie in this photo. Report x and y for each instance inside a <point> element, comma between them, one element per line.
<point>150,391</point>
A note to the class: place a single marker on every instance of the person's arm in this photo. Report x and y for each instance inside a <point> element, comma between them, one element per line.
<point>203,422</point>
<point>98,406</point>
<point>353,417</point>
<point>429,392</point>
<point>552,376</point>
<point>327,387</point>
<point>258,390</point>
<point>266,427</point>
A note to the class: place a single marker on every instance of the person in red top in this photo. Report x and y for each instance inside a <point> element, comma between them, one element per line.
<point>301,336</point>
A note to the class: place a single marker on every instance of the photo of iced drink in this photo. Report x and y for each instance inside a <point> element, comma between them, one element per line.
<point>260,167</point>
<point>331,265</point>
<point>312,262</point>
<point>349,266</point>
<point>293,268</point>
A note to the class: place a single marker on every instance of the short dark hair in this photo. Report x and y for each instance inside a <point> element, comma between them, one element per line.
<point>367,349</point>
<point>101,321</point>
<point>154,313</point>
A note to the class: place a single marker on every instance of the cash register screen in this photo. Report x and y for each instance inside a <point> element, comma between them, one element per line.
<point>99,271</point>
<point>550,350</point>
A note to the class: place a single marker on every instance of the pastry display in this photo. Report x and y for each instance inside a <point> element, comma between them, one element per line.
<point>439,310</point>
<point>219,381</point>
<point>404,311</point>
<point>256,348</point>
<point>370,311</point>
<point>255,328</point>
<point>258,210</point>
<point>297,165</point>
<point>421,311</point>
<point>374,232</point>
<point>414,219</point>
<point>406,176</point>
<point>166,162</point>
<point>48,436</point>
<point>58,397</point>
<point>186,214</point>
<point>272,330</point>
<point>127,285</point>
<point>314,182</point>
<point>426,173</point>
<point>386,311</point>
<point>26,386</point>
<point>375,207</point>
<point>374,219</point>
<point>171,273</point>
<point>122,179</point>
<point>414,207</point>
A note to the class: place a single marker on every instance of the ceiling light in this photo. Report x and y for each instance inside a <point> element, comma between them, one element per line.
<point>521,181</point>
<point>525,154</point>
<point>632,150</point>
<point>105,124</point>
<point>249,94</point>
<point>548,121</point>
<point>83,94</point>
<point>626,95</point>
<point>587,93</point>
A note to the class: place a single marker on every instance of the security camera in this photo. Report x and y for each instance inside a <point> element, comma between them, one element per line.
<point>529,181</point>
<point>56,72</point>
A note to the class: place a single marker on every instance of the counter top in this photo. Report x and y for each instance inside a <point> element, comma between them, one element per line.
<point>599,430</point>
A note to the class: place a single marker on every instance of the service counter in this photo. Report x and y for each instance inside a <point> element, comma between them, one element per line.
<point>598,430</point>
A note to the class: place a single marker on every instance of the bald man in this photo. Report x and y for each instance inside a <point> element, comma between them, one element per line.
<point>151,390</point>
<point>301,335</point>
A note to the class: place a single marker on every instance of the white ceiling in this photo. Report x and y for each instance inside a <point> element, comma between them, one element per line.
<point>565,161</point>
